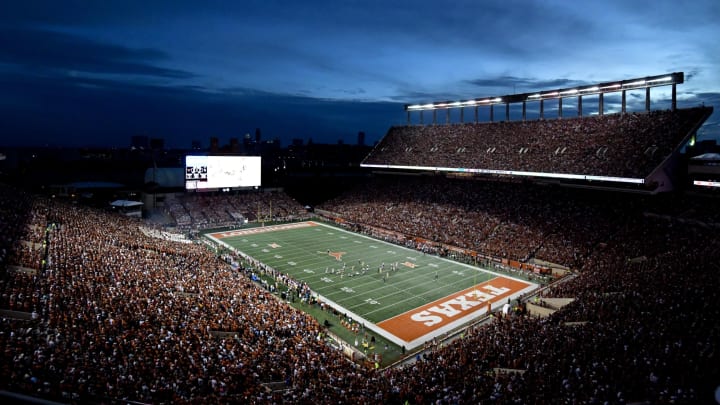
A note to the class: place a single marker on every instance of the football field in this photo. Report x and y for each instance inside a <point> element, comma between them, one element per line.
<point>404,295</point>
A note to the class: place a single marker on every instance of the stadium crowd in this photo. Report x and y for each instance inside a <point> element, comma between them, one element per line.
<point>585,146</point>
<point>210,210</point>
<point>503,220</point>
<point>125,316</point>
<point>118,314</point>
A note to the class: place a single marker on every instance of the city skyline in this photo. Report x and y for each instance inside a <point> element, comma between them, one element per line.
<point>75,74</point>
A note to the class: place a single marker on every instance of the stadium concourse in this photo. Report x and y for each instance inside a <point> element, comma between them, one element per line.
<point>96,310</point>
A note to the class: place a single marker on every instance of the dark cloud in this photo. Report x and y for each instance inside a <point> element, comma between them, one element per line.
<point>689,75</point>
<point>88,13</point>
<point>422,97</point>
<point>101,71</point>
<point>530,84</point>
<point>710,98</point>
<point>670,15</point>
<point>42,50</point>
<point>711,128</point>
<point>89,111</point>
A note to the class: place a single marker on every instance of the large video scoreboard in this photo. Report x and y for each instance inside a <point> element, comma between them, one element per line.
<point>217,172</point>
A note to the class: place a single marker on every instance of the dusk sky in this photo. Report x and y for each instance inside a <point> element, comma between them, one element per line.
<point>78,72</point>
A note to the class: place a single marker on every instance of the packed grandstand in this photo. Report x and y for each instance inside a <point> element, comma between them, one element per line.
<point>101,308</point>
<point>613,145</point>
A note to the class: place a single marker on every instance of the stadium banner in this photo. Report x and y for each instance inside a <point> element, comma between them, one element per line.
<point>527,267</point>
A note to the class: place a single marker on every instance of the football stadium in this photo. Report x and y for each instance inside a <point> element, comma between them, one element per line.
<point>357,281</point>
<point>511,249</point>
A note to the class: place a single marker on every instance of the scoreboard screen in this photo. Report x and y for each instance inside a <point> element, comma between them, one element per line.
<point>215,172</point>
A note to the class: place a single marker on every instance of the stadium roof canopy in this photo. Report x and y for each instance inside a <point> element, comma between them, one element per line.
<point>598,88</point>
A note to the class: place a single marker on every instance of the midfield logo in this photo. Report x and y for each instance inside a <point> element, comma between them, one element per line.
<point>337,255</point>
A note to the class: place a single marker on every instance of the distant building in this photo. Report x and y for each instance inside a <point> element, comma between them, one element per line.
<point>234,145</point>
<point>140,142</point>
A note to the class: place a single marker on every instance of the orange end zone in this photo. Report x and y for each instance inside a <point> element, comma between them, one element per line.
<point>420,321</point>
<point>262,229</point>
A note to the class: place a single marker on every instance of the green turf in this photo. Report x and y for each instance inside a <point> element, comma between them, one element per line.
<point>302,253</point>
